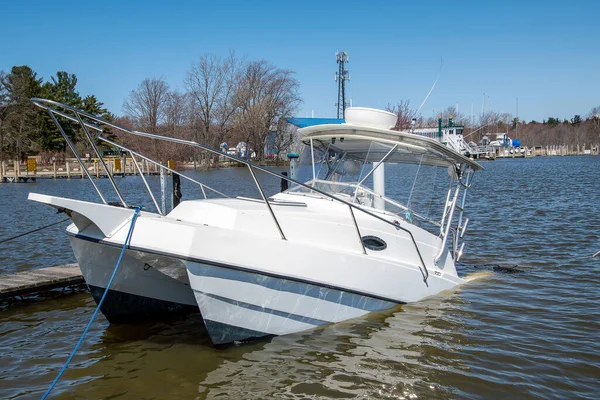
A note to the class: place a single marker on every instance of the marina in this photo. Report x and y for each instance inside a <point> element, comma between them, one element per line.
<point>157,307</point>
<point>502,334</point>
<point>188,211</point>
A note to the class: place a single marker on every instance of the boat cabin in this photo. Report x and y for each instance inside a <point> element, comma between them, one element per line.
<point>396,173</point>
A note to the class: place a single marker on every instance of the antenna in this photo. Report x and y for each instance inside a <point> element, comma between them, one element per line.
<point>517,124</point>
<point>472,117</point>
<point>434,83</point>
<point>341,76</point>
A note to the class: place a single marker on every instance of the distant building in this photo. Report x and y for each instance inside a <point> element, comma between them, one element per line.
<point>294,124</point>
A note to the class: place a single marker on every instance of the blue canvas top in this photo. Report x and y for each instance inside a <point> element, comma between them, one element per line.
<point>304,122</point>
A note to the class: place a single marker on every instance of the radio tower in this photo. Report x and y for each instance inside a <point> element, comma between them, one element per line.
<point>341,76</point>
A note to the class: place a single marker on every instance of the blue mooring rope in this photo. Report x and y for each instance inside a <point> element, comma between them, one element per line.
<point>125,244</point>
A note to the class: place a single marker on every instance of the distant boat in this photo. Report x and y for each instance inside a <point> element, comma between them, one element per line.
<point>452,136</point>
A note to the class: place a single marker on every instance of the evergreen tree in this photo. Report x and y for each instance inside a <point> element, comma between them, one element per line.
<point>92,105</point>
<point>23,121</point>
<point>63,90</point>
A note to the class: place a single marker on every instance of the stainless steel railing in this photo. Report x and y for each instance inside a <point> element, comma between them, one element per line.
<point>462,181</point>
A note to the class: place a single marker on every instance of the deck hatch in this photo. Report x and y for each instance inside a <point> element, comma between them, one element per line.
<point>374,243</point>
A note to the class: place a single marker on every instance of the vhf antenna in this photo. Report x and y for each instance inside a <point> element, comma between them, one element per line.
<point>341,76</point>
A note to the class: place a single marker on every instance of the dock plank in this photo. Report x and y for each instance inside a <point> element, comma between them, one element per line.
<point>39,280</point>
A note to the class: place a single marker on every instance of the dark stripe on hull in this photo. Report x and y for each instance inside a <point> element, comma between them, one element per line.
<point>309,289</point>
<point>266,310</point>
<point>126,308</point>
<point>289,301</point>
<point>223,334</point>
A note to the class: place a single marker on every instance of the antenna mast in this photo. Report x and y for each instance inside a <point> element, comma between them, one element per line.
<point>341,76</point>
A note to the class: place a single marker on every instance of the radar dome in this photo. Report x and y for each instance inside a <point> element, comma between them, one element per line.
<point>370,117</point>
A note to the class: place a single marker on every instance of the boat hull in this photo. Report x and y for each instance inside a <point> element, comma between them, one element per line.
<point>141,290</point>
<point>239,305</point>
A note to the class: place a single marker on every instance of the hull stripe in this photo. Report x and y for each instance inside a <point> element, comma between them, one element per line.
<point>264,310</point>
<point>287,302</point>
<point>335,296</point>
<point>227,313</point>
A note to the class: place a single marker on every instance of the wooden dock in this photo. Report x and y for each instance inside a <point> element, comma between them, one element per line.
<point>39,280</point>
<point>17,172</point>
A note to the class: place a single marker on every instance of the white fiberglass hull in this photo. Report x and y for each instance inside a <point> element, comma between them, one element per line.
<point>140,291</point>
<point>248,282</point>
<point>297,289</point>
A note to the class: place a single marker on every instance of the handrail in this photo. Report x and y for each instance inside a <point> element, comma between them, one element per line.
<point>146,184</point>
<point>112,180</point>
<point>81,163</point>
<point>262,193</point>
<point>42,104</point>
<point>445,208</point>
<point>52,111</point>
<point>448,224</point>
<point>202,185</point>
<point>362,243</point>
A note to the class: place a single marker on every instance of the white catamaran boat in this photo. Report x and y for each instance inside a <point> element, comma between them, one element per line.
<point>369,222</point>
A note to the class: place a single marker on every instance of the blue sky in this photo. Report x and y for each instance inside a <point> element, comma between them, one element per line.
<point>545,53</point>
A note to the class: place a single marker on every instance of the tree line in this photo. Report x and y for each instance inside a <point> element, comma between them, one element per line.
<point>26,129</point>
<point>578,130</point>
<point>226,99</point>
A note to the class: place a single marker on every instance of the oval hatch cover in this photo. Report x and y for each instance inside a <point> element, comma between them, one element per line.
<point>374,243</point>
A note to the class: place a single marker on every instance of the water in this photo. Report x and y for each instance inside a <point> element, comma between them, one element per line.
<point>529,334</point>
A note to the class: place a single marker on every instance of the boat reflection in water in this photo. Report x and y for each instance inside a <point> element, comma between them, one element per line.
<point>387,354</point>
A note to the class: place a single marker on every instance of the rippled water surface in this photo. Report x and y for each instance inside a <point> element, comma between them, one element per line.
<point>525,333</point>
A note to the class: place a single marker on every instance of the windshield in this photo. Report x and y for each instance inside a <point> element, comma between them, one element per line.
<point>415,192</point>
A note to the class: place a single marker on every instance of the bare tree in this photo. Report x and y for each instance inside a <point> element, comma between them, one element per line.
<point>147,103</point>
<point>284,137</point>
<point>146,107</point>
<point>177,118</point>
<point>211,84</point>
<point>265,96</point>
<point>176,112</point>
<point>405,114</point>
<point>594,116</point>
<point>458,117</point>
